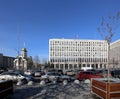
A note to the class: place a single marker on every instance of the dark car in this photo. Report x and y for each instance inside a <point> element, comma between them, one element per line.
<point>1,71</point>
<point>115,73</point>
<point>60,71</point>
<point>103,72</point>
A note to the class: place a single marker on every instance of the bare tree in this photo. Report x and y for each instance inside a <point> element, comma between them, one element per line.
<point>107,30</point>
<point>108,26</point>
<point>30,62</point>
<point>43,62</point>
<point>36,61</point>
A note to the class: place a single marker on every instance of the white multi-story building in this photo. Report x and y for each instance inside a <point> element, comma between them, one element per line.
<point>115,54</point>
<point>77,53</point>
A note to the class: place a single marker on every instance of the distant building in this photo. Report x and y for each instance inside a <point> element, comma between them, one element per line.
<point>20,63</point>
<point>6,61</point>
<point>77,53</point>
<point>115,54</point>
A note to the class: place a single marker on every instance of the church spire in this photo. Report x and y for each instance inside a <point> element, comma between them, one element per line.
<point>24,52</point>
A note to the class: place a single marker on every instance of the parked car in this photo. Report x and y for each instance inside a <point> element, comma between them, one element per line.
<point>1,71</point>
<point>15,77</point>
<point>103,72</point>
<point>115,73</point>
<point>29,72</point>
<point>60,71</point>
<point>51,76</point>
<point>28,77</point>
<point>82,75</point>
<point>56,70</point>
<point>38,73</point>
<point>86,68</point>
<point>70,72</point>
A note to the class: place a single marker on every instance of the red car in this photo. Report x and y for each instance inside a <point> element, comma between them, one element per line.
<point>82,75</point>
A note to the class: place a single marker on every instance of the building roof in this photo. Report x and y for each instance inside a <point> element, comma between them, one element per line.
<point>24,49</point>
<point>115,44</point>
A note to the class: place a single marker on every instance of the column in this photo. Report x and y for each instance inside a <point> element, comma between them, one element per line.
<point>77,65</point>
<point>68,66</point>
<point>54,66</point>
<point>59,66</point>
<point>90,65</point>
<point>98,65</point>
<point>72,66</point>
<point>63,66</point>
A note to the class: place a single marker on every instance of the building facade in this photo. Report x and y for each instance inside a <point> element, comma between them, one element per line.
<point>6,61</point>
<point>76,53</point>
<point>20,63</point>
<point>115,54</point>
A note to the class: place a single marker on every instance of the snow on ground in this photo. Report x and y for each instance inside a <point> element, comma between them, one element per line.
<point>53,91</point>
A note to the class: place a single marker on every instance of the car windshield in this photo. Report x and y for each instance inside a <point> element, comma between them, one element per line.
<point>50,74</point>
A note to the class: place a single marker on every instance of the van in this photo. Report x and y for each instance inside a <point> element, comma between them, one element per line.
<point>86,68</point>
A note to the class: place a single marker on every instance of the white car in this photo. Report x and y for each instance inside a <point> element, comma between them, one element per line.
<point>14,77</point>
<point>29,72</point>
<point>70,72</point>
<point>38,73</point>
<point>50,76</point>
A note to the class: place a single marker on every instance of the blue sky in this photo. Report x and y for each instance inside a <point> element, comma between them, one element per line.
<point>37,21</point>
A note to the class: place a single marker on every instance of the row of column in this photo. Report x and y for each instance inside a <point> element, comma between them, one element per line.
<point>78,66</point>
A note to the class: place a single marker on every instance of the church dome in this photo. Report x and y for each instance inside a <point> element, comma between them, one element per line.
<point>24,49</point>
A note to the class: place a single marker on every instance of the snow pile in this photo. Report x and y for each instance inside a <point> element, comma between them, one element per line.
<point>19,83</point>
<point>42,83</point>
<point>65,82</point>
<point>87,81</point>
<point>76,81</point>
<point>54,81</point>
<point>30,83</point>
